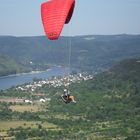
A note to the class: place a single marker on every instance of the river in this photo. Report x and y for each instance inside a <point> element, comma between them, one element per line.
<point>14,80</point>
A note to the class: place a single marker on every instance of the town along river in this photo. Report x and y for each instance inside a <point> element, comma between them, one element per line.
<point>14,80</point>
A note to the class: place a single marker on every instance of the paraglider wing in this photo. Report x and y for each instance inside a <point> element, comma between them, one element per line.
<point>55,13</point>
<point>70,13</point>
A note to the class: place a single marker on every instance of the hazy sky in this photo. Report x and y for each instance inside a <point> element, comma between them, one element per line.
<point>22,17</point>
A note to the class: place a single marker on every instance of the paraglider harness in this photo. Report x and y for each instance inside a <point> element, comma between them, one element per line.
<point>67,98</point>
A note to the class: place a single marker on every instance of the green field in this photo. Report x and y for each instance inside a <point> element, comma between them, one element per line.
<point>24,107</point>
<point>6,125</point>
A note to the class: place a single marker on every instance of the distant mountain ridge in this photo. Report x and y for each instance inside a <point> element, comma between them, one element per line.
<point>89,52</point>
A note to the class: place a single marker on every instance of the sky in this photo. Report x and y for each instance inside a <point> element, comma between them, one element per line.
<point>104,17</point>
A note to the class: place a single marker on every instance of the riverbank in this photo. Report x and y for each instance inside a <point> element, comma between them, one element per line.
<point>26,73</point>
<point>22,78</point>
<point>56,82</point>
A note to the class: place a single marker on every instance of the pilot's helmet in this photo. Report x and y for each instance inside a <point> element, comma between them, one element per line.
<point>65,90</point>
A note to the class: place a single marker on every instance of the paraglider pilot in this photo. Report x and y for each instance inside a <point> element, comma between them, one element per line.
<point>66,94</point>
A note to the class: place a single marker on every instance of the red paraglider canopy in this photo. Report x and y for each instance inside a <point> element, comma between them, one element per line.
<point>56,13</point>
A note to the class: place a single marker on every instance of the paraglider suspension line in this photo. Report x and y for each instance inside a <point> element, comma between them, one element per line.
<point>69,59</point>
<point>69,47</point>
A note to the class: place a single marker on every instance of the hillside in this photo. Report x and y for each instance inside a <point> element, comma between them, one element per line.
<point>107,108</point>
<point>10,66</point>
<point>88,53</point>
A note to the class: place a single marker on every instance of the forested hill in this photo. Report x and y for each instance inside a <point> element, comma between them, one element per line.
<point>93,52</point>
<point>127,70</point>
<point>10,66</point>
<point>107,107</point>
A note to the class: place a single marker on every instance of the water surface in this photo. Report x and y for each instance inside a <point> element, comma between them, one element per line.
<point>14,80</point>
